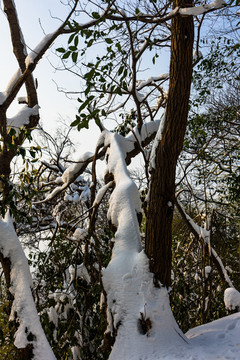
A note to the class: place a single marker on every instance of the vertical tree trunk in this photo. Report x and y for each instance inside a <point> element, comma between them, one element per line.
<point>162,190</point>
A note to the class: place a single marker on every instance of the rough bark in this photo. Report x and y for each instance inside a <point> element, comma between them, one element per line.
<point>162,190</point>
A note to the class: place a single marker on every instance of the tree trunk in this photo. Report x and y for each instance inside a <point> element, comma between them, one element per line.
<point>162,190</point>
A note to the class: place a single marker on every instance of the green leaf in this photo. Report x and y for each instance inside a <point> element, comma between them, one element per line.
<point>83,124</point>
<point>75,122</point>
<point>76,40</point>
<point>90,42</point>
<point>71,38</point>
<point>120,70</point>
<point>61,50</point>
<point>32,153</point>
<point>66,55</point>
<point>108,41</point>
<point>74,56</point>
<point>22,152</point>
<point>118,46</point>
<point>95,15</point>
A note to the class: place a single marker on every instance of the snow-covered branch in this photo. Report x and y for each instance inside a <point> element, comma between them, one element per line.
<point>148,132</point>
<point>23,311</point>
<point>231,295</point>
<point>201,9</point>
<point>204,234</point>
<point>32,59</point>
<point>22,118</point>
<point>188,11</point>
<point>135,306</point>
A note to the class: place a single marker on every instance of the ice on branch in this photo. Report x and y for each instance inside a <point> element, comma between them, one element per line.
<point>22,117</point>
<point>23,305</point>
<point>198,10</point>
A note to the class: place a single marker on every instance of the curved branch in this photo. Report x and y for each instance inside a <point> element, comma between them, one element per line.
<point>201,234</point>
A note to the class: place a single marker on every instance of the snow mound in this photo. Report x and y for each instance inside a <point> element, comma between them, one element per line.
<point>219,339</point>
<point>232,299</point>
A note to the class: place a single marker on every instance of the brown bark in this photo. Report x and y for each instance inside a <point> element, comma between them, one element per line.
<point>19,49</point>
<point>162,190</point>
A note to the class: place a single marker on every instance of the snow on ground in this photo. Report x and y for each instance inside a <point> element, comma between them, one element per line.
<point>218,340</point>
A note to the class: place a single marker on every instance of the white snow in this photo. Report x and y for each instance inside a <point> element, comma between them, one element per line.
<point>140,96</point>
<point>140,311</point>
<point>23,304</point>
<point>127,145</point>
<point>152,80</point>
<point>73,169</point>
<point>58,180</point>
<point>205,235</point>
<point>201,9</point>
<point>53,316</point>
<point>69,175</point>
<point>219,339</point>
<point>22,99</point>
<point>100,194</point>
<point>156,142</point>
<point>232,299</point>
<point>208,270</point>
<point>133,300</point>
<point>79,272</point>
<point>31,57</point>
<point>22,117</point>
<point>79,234</point>
<point>197,55</point>
<point>12,82</point>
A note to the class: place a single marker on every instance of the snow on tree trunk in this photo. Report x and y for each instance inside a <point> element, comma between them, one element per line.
<point>139,313</point>
<point>29,334</point>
